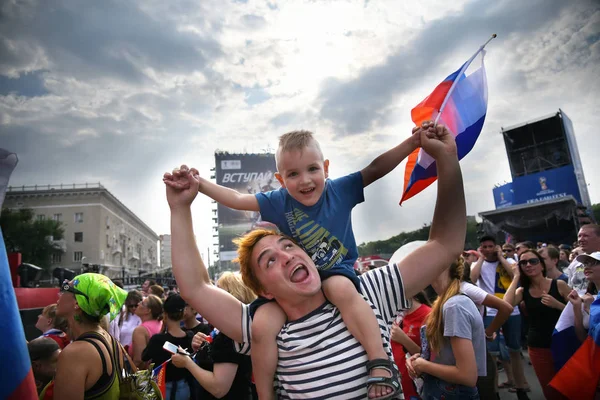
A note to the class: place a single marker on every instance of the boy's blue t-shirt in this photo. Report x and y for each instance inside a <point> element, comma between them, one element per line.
<point>324,230</point>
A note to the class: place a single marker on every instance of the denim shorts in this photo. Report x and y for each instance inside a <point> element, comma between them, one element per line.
<point>511,331</point>
<point>437,389</point>
<point>181,389</point>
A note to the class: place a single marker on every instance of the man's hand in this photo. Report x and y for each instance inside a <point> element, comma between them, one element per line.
<point>499,253</point>
<point>198,340</point>
<point>437,141</point>
<point>182,186</point>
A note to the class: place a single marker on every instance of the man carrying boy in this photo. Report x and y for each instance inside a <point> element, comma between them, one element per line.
<point>318,356</point>
<point>315,212</point>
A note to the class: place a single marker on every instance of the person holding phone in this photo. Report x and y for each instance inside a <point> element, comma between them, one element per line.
<point>177,379</point>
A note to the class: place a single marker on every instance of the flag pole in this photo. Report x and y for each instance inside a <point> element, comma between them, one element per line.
<point>462,70</point>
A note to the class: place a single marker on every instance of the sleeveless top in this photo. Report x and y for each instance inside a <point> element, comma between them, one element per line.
<point>153,326</point>
<point>107,386</point>
<point>542,319</point>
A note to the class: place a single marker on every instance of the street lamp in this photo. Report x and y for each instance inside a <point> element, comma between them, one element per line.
<point>81,261</point>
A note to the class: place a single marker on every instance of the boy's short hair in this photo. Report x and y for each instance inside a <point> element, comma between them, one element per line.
<point>487,238</point>
<point>42,348</point>
<point>296,140</point>
<point>553,252</point>
<point>246,245</point>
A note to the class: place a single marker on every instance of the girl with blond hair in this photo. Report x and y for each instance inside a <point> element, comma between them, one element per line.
<point>454,334</point>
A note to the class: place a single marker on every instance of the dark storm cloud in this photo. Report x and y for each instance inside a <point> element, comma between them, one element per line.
<point>112,39</point>
<point>356,105</point>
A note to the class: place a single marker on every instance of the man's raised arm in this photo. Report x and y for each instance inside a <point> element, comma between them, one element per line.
<point>449,226</point>
<point>220,308</point>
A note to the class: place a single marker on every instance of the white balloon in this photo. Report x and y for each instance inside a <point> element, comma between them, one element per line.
<point>406,250</point>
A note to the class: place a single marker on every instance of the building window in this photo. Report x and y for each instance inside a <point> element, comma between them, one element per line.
<point>57,217</point>
<point>77,256</point>
<point>41,217</point>
<point>107,223</point>
<point>56,258</point>
<point>107,241</point>
<point>79,217</point>
<point>79,236</point>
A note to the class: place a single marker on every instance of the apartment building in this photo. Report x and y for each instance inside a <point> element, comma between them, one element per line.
<point>165,251</point>
<point>98,228</point>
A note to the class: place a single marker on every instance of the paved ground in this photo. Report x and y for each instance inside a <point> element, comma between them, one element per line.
<point>536,390</point>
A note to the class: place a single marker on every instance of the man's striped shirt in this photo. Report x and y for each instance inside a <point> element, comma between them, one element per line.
<point>318,357</point>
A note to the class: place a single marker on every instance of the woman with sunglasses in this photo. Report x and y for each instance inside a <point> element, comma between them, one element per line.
<point>121,328</point>
<point>544,300</point>
<point>86,368</point>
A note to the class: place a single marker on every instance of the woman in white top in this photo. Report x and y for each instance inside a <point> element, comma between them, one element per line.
<point>487,385</point>
<point>121,328</point>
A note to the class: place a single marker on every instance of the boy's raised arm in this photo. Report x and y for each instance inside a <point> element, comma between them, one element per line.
<point>219,307</point>
<point>386,162</point>
<point>228,197</point>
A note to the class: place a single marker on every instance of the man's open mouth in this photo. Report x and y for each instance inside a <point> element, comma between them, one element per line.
<point>299,274</point>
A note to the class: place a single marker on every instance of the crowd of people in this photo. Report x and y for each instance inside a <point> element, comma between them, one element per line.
<point>298,322</point>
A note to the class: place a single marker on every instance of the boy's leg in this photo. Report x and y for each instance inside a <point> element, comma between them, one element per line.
<point>266,324</point>
<point>361,322</point>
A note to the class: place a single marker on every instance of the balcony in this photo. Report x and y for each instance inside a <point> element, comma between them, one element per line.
<point>134,255</point>
<point>60,245</point>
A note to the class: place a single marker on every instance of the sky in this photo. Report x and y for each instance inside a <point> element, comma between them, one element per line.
<point>120,92</point>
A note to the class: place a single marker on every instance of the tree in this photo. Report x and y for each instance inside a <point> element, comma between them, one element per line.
<point>392,244</point>
<point>596,212</point>
<point>31,237</point>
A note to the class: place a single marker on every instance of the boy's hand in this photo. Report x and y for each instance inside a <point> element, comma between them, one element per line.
<point>437,141</point>
<point>182,186</point>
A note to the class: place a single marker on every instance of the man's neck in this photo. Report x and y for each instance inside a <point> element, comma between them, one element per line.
<point>491,259</point>
<point>302,306</point>
<point>552,272</point>
<point>191,323</point>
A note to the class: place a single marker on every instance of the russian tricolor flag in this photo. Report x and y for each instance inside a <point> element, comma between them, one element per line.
<point>16,376</point>
<point>580,376</point>
<point>459,103</point>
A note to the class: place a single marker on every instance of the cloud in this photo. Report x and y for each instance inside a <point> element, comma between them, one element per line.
<point>122,91</point>
<point>359,105</point>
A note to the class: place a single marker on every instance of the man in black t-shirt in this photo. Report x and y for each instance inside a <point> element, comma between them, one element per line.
<point>190,323</point>
<point>177,379</point>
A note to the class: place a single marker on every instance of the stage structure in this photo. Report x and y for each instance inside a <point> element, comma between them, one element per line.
<point>547,199</point>
<point>245,173</point>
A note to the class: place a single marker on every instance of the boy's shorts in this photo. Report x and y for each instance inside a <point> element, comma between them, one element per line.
<point>344,269</point>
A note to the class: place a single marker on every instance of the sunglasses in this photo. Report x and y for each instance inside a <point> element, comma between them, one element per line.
<point>66,287</point>
<point>532,261</point>
<point>508,250</point>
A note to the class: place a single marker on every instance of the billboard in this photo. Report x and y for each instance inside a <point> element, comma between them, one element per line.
<point>546,185</point>
<point>503,195</point>
<point>244,173</point>
<point>584,197</point>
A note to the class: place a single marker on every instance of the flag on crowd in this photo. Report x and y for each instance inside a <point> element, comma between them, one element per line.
<point>564,339</point>
<point>579,377</point>
<point>158,376</point>
<point>16,376</point>
<point>459,103</point>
